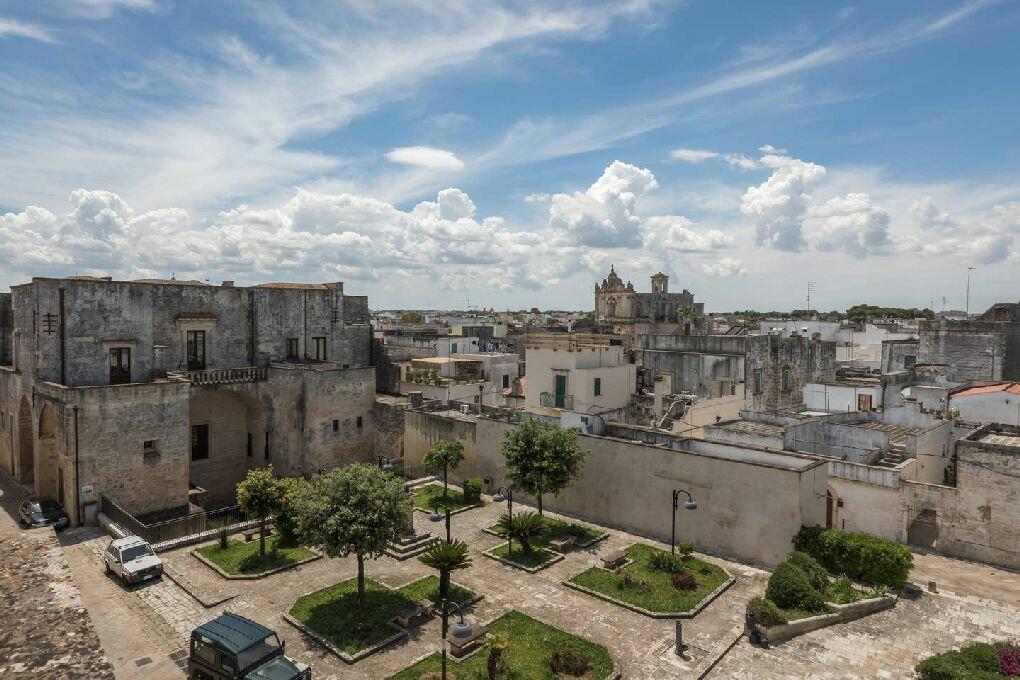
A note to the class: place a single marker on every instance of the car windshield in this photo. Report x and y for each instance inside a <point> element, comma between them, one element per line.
<point>33,508</point>
<point>135,551</point>
<point>256,653</point>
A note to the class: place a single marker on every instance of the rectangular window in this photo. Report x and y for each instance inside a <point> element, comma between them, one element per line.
<point>759,381</point>
<point>120,365</point>
<point>319,345</point>
<point>250,446</point>
<point>199,442</point>
<point>453,348</point>
<point>598,387</point>
<point>292,348</point>
<point>786,379</point>
<point>266,450</point>
<point>506,380</point>
<point>336,425</point>
<point>909,361</point>
<point>150,447</point>
<point>196,350</point>
<point>360,422</point>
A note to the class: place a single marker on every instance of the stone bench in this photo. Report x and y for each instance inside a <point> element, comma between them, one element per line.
<point>614,559</point>
<point>251,534</point>
<point>406,616</point>
<point>462,646</point>
<point>562,545</point>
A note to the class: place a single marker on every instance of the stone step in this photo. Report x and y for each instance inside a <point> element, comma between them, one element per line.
<point>411,546</point>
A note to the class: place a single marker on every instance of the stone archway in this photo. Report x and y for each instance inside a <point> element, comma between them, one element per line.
<point>47,472</point>
<point>26,444</point>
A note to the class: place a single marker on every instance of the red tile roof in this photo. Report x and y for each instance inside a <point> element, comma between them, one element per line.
<point>1011,387</point>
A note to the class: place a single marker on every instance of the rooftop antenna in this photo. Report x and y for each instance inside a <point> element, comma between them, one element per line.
<point>969,270</point>
<point>810,289</point>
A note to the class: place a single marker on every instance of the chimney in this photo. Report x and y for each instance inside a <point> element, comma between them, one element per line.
<point>228,284</point>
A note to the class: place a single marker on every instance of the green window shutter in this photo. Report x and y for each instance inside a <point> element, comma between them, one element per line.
<point>598,387</point>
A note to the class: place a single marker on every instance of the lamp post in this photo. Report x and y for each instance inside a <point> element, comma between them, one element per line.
<point>503,493</point>
<point>436,517</point>
<point>461,629</point>
<point>689,504</point>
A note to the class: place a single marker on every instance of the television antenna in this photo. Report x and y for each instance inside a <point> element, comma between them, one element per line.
<point>810,289</point>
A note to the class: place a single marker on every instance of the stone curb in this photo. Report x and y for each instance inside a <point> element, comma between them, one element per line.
<point>690,614</point>
<point>838,613</point>
<point>186,584</point>
<point>557,557</point>
<point>316,555</point>
<point>578,546</point>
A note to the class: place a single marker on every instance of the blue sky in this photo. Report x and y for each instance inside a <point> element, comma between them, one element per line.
<point>427,152</point>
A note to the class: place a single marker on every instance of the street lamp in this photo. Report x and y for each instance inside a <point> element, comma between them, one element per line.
<point>462,629</point>
<point>689,504</point>
<point>436,517</point>
<point>503,493</point>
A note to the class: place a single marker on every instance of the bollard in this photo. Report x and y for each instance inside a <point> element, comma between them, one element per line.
<point>679,638</point>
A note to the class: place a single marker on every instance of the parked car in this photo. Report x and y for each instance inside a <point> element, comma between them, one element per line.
<point>231,647</point>
<point>132,560</point>
<point>35,513</point>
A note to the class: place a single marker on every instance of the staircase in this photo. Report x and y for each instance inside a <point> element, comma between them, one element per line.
<point>410,546</point>
<point>892,458</point>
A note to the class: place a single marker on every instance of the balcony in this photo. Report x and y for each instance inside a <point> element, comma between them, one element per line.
<point>550,400</point>
<point>223,376</point>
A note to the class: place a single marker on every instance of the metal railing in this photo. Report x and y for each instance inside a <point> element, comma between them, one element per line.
<point>550,400</point>
<point>224,376</point>
<point>178,530</point>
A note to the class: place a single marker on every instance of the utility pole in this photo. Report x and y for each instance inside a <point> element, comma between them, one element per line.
<point>810,288</point>
<point>969,270</point>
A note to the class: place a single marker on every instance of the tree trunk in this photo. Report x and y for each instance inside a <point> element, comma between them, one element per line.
<point>539,497</point>
<point>361,580</point>
<point>262,536</point>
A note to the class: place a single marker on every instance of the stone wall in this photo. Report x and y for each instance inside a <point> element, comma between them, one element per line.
<point>806,359</point>
<point>972,350</point>
<point>6,330</point>
<point>389,426</point>
<point>895,354</point>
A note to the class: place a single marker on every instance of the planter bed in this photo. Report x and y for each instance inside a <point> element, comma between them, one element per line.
<point>241,561</point>
<point>659,598</point>
<point>583,536</point>
<point>332,618</point>
<point>837,613</point>
<point>532,644</point>
<point>425,495</point>
<point>521,560</point>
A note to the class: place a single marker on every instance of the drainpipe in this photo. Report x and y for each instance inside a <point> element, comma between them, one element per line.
<point>63,341</point>
<point>77,481</point>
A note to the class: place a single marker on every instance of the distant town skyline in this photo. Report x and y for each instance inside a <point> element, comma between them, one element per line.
<point>510,153</point>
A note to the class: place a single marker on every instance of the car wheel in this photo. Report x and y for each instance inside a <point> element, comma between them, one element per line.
<point>108,570</point>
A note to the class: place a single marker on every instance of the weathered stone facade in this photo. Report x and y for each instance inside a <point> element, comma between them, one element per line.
<point>617,304</point>
<point>705,365</point>
<point>899,355</point>
<point>6,329</point>
<point>984,349</point>
<point>777,368</point>
<point>138,390</point>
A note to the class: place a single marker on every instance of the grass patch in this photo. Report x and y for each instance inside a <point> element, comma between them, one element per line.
<point>426,496</point>
<point>641,585</point>
<point>556,529</point>
<point>532,644</point>
<point>333,612</point>
<point>536,558</point>
<point>242,558</point>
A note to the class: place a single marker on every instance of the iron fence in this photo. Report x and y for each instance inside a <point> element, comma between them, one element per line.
<point>195,525</point>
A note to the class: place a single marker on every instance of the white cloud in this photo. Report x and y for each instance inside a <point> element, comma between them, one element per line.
<point>102,9</point>
<point>426,157</point>
<point>930,218</point>
<point>604,215</point>
<point>769,149</point>
<point>18,29</point>
<point>739,160</point>
<point>676,233</point>
<point>723,268</point>
<point>779,204</point>
<point>692,155</point>
<point>853,225</point>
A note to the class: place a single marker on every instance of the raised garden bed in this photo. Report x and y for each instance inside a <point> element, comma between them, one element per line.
<point>241,560</point>
<point>531,647</point>
<point>535,561</point>
<point>978,661</point>
<point>332,617</point>
<point>579,535</point>
<point>641,588</point>
<point>836,613</point>
<point>426,496</point>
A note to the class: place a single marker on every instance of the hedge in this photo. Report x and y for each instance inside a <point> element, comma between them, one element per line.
<point>765,612</point>
<point>790,588</point>
<point>860,556</point>
<point>815,572</point>
<point>979,661</point>
<point>472,490</point>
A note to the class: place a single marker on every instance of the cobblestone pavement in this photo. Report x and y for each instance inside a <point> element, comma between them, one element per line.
<point>885,645</point>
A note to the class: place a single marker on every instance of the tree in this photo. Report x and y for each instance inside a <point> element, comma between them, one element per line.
<point>524,526</point>
<point>358,509</point>
<point>446,558</point>
<point>286,516</point>
<point>410,317</point>
<point>444,456</point>
<point>541,459</point>
<point>259,494</point>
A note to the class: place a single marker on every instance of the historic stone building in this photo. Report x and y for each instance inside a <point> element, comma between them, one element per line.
<point>161,394</point>
<point>986,348</point>
<point>777,367</point>
<point>621,308</point>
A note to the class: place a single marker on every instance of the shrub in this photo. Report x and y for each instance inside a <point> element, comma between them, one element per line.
<point>816,573</point>
<point>472,491</point>
<point>568,662</point>
<point>1009,662</point>
<point>765,612</point>
<point>684,580</point>
<point>628,581</point>
<point>979,661</point>
<point>664,561</point>
<point>842,591</point>
<point>684,549</point>
<point>859,556</point>
<point>790,588</point>
<point>285,518</point>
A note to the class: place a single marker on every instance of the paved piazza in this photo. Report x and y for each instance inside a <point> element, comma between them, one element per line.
<point>140,628</point>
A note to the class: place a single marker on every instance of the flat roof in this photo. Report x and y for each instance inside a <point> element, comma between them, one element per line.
<point>751,427</point>
<point>1001,440</point>
<point>897,433</point>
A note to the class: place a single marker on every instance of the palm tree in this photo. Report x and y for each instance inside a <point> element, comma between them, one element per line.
<point>524,526</point>
<point>446,558</point>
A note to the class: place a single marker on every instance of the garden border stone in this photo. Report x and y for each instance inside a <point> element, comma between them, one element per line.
<point>479,504</point>
<point>577,546</point>
<point>838,613</point>
<point>316,555</point>
<point>557,557</point>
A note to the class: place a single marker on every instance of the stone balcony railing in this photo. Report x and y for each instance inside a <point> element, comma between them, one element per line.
<point>224,376</point>
<point>550,400</point>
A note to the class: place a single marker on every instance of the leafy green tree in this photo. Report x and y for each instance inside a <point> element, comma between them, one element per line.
<point>259,494</point>
<point>286,516</point>
<point>358,509</point>
<point>410,317</point>
<point>446,558</point>
<point>541,459</point>
<point>525,526</point>
<point>444,456</point>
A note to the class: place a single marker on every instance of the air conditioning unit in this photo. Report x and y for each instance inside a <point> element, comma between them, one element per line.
<point>465,408</point>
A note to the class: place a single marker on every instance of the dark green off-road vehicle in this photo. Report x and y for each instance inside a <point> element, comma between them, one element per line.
<point>231,647</point>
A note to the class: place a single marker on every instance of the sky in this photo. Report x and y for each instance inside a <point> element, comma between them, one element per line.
<point>440,154</point>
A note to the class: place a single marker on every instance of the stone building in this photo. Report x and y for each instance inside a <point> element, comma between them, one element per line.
<point>621,308</point>
<point>987,348</point>
<point>6,329</point>
<point>777,367</point>
<point>163,393</point>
